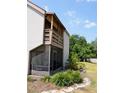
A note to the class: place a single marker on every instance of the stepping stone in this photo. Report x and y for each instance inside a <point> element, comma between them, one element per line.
<point>69,89</point>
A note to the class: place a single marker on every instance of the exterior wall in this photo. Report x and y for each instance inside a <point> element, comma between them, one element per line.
<point>65,49</point>
<point>35,28</point>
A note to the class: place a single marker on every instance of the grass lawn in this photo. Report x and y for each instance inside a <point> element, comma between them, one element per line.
<point>91,73</point>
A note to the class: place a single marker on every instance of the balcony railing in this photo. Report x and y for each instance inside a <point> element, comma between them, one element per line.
<point>51,37</point>
<point>47,36</point>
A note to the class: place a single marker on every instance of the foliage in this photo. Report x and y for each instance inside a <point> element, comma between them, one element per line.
<point>46,79</point>
<point>94,45</point>
<point>81,49</point>
<point>73,59</point>
<point>76,77</point>
<point>65,78</point>
<point>80,65</point>
<point>62,79</point>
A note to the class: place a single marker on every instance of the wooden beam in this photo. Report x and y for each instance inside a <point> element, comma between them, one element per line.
<point>52,22</point>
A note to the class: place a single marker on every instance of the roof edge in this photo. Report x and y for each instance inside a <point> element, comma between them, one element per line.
<point>52,13</point>
<point>36,7</point>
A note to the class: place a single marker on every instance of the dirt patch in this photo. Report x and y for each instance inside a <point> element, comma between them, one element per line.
<point>39,86</point>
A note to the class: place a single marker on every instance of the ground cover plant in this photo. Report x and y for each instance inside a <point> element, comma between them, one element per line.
<point>65,78</point>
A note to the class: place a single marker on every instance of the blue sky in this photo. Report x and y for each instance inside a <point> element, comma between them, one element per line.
<point>78,16</point>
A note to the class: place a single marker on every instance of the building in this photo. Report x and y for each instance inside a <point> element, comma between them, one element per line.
<point>48,41</point>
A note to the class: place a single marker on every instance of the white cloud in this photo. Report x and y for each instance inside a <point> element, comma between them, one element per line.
<point>70,13</point>
<point>75,21</point>
<point>46,8</point>
<point>89,24</point>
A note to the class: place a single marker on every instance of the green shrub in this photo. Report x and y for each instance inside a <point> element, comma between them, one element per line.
<point>76,77</point>
<point>66,78</point>
<point>59,79</point>
<point>46,79</point>
<point>73,58</point>
<point>80,65</point>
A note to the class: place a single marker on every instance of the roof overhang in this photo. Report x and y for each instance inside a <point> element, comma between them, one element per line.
<point>52,13</point>
<point>35,7</point>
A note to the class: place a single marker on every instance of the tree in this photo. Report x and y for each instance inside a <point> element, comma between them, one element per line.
<point>81,49</point>
<point>94,45</point>
<point>73,58</point>
<point>76,43</point>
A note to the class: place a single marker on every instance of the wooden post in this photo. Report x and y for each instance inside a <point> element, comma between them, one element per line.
<point>52,22</point>
<point>51,29</point>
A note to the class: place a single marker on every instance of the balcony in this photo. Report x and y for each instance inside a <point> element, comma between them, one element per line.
<point>53,38</point>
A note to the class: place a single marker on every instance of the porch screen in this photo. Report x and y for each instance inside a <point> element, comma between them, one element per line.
<point>38,60</point>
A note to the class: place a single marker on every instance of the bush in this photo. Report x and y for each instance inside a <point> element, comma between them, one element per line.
<point>66,78</point>
<point>61,79</point>
<point>80,65</point>
<point>46,79</point>
<point>76,77</point>
<point>73,58</point>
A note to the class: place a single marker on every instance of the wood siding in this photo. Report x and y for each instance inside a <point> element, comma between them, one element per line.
<point>51,37</point>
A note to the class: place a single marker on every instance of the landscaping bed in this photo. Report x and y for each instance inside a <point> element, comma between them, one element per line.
<point>38,86</point>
